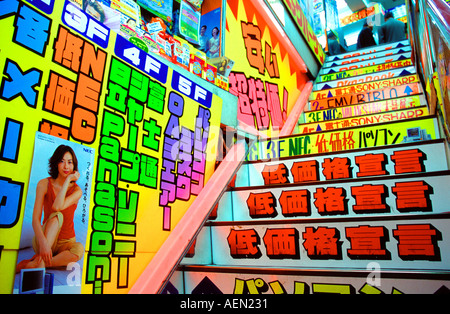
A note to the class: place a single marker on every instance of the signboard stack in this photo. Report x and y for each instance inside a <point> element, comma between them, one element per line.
<point>356,202</point>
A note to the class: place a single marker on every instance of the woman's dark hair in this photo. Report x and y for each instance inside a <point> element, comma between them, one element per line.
<point>57,157</point>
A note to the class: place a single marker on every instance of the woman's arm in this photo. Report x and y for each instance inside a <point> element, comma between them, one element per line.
<point>61,201</point>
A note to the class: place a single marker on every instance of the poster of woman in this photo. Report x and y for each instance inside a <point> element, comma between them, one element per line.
<point>56,214</point>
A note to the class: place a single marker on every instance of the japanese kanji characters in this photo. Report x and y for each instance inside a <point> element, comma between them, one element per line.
<point>362,242</point>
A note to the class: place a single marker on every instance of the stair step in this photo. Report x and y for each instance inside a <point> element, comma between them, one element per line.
<point>364,87</point>
<point>366,78</point>
<point>366,96</point>
<point>366,63</point>
<point>429,156</point>
<point>400,242</point>
<point>413,130</point>
<point>383,196</point>
<point>366,57</point>
<point>367,68</point>
<point>309,116</point>
<point>268,280</point>
<point>369,51</point>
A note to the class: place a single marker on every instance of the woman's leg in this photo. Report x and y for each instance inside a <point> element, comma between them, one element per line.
<point>51,232</point>
<point>67,251</point>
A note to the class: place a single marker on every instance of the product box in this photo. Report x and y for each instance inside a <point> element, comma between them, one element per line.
<point>165,43</point>
<point>222,82</point>
<point>210,73</point>
<point>181,52</point>
<point>198,61</point>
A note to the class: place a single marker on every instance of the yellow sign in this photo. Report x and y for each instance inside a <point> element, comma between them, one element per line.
<point>266,77</point>
<point>153,130</point>
<point>354,138</point>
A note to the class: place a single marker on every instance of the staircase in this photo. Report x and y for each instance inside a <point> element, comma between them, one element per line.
<point>355,202</point>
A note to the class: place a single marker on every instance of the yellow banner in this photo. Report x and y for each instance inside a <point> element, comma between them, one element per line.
<point>354,138</point>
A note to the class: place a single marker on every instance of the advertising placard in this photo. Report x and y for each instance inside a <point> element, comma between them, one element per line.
<point>152,130</point>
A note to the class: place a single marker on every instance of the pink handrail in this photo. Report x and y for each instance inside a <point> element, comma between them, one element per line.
<point>165,261</point>
<point>294,116</point>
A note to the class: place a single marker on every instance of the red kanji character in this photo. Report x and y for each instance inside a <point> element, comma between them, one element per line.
<point>282,243</point>
<point>275,174</point>
<point>413,196</point>
<point>367,242</point>
<point>274,105</point>
<point>262,205</point>
<point>332,201</point>
<point>244,243</point>
<point>322,243</point>
<point>408,161</point>
<point>370,199</point>
<point>322,144</point>
<point>346,143</point>
<point>417,242</point>
<point>295,203</point>
<point>371,165</point>
<point>338,168</point>
<point>258,103</point>
<point>305,171</point>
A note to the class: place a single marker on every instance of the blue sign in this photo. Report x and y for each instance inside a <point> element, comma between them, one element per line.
<point>45,6</point>
<point>141,60</point>
<point>191,89</point>
<point>86,25</point>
